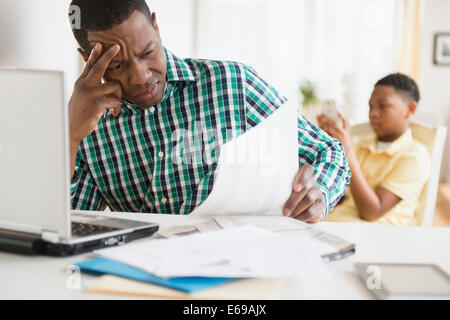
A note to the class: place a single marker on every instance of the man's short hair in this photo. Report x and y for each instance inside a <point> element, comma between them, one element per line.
<point>401,83</point>
<point>101,15</point>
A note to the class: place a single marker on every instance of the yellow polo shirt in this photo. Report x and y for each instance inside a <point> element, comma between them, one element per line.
<point>402,168</point>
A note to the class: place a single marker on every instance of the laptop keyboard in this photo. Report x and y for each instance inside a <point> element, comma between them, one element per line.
<point>84,229</point>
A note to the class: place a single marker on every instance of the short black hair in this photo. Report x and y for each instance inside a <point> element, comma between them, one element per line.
<point>101,15</point>
<point>403,83</point>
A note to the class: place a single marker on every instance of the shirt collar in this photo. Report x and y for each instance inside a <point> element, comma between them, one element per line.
<point>178,70</point>
<point>369,142</point>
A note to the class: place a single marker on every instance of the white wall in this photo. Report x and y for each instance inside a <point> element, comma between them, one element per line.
<point>36,34</point>
<point>434,81</point>
<point>343,46</point>
<point>176,25</point>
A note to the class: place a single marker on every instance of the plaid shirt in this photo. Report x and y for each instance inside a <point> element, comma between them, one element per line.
<point>152,160</point>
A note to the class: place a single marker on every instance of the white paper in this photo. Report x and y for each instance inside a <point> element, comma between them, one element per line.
<point>289,227</point>
<point>244,252</point>
<point>145,255</point>
<point>256,170</point>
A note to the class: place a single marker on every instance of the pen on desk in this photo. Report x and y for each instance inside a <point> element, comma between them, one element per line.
<point>338,255</point>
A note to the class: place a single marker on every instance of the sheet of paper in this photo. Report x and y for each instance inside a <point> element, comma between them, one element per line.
<point>145,255</point>
<point>288,226</point>
<point>283,225</point>
<point>256,170</point>
<point>243,252</point>
<point>237,252</point>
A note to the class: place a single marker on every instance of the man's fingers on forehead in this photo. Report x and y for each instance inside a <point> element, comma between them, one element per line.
<point>103,62</point>
<point>95,53</point>
<point>109,54</point>
<point>93,56</point>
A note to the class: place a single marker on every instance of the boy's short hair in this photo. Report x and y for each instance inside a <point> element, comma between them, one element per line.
<point>401,83</point>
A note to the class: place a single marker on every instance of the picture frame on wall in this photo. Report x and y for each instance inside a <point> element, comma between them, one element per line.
<point>441,54</point>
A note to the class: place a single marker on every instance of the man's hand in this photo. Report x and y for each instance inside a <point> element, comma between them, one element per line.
<point>306,202</point>
<point>91,97</point>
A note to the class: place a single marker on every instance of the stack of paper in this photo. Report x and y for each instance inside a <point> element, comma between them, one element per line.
<point>239,252</point>
<point>335,247</point>
<point>218,264</point>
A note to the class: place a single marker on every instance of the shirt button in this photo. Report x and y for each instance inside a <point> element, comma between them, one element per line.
<point>163,200</point>
<point>152,109</point>
<point>161,154</point>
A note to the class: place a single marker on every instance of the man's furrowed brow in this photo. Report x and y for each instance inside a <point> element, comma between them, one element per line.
<point>148,45</point>
<point>151,42</point>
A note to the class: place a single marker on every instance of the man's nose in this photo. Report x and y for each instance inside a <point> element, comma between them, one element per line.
<point>139,73</point>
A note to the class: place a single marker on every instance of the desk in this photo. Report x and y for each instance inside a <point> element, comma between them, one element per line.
<point>40,277</point>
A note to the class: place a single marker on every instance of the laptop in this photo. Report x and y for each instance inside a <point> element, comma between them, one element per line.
<point>35,216</point>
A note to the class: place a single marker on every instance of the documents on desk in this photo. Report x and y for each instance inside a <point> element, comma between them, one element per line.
<point>257,258</point>
<point>337,247</point>
<point>239,252</point>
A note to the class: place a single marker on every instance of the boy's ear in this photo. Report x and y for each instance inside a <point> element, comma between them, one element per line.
<point>412,107</point>
<point>83,54</point>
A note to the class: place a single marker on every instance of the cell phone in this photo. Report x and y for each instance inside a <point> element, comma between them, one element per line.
<point>329,110</point>
<point>391,281</point>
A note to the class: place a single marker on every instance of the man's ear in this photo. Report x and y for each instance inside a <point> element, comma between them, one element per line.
<point>83,54</point>
<point>154,23</point>
<point>412,107</point>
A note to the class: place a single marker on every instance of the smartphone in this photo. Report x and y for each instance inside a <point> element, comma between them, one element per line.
<point>391,281</point>
<point>329,110</point>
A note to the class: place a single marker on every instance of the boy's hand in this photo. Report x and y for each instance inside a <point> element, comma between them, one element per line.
<point>334,129</point>
<point>306,202</point>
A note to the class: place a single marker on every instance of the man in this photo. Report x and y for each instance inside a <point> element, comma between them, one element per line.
<point>133,98</point>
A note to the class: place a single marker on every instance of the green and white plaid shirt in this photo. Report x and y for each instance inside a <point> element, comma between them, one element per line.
<point>153,160</point>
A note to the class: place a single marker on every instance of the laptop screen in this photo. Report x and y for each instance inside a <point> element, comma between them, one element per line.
<point>34,186</point>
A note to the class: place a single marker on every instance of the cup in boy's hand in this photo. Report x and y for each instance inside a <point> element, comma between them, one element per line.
<point>330,111</point>
<point>337,129</point>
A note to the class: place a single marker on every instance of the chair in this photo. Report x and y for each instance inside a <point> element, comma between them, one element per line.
<point>434,139</point>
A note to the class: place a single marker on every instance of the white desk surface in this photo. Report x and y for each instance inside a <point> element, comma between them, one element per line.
<point>40,277</point>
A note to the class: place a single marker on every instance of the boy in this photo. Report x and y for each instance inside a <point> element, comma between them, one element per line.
<point>389,168</point>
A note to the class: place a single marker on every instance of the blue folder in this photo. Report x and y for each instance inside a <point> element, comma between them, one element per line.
<point>100,266</point>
